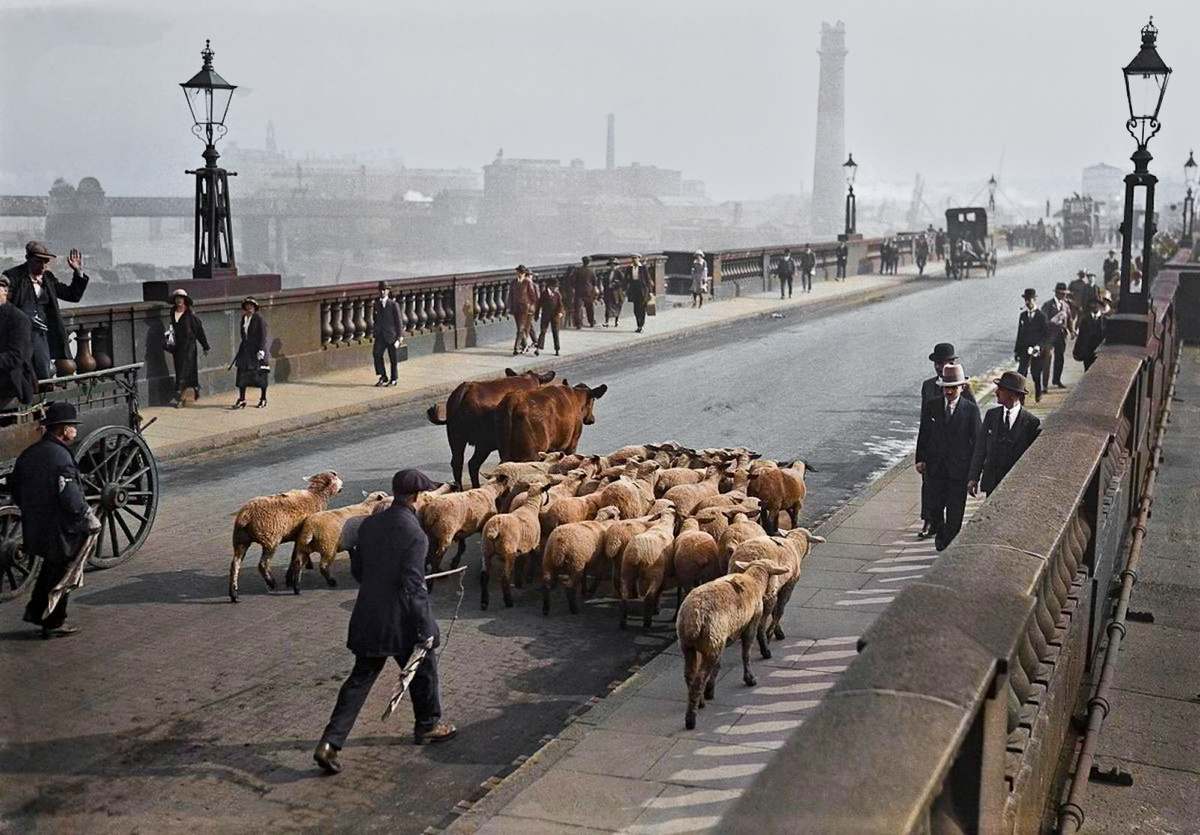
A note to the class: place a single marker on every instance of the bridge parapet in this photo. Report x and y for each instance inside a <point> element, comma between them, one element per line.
<point>953,715</point>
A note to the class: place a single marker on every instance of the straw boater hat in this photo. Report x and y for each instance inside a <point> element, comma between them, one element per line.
<point>943,352</point>
<point>952,375</point>
<point>1012,381</point>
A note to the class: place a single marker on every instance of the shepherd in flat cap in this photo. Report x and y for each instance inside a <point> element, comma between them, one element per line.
<point>55,519</point>
<point>943,355</point>
<point>36,292</point>
<point>950,431</point>
<point>1008,430</point>
<point>391,618</point>
<point>387,330</point>
<point>1033,332</point>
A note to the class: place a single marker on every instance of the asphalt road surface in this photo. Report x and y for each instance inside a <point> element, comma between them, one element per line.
<point>177,710</point>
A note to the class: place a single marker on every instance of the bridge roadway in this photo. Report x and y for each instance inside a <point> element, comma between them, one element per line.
<point>178,710</point>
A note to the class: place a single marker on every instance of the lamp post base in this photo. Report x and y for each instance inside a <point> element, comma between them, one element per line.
<point>1127,329</point>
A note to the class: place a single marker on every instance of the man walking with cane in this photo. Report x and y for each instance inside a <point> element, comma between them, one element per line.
<point>391,618</point>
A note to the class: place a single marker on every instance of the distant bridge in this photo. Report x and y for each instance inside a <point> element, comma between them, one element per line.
<point>300,207</point>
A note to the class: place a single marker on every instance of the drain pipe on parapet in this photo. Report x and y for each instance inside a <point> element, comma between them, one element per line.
<point>1070,814</point>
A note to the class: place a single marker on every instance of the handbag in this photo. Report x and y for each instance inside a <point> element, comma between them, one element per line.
<point>169,339</point>
<point>651,306</point>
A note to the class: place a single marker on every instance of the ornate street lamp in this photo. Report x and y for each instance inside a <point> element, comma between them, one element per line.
<point>851,168</point>
<point>1189,205</point>
<point>208,97</point>
<point>992,193</point>
<point>1145,85</point>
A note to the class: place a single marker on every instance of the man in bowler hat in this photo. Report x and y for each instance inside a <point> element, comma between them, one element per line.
<point>1033,331</point>
<point>1008,430</point>
<point>391,618</point>
<point>943,355</point>
<point>1060,315</point>
<point>950,431</point>
<point>55,519</point>
<point>387,330</point>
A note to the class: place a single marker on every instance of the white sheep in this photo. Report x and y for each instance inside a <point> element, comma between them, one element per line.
<point>273,520</point>
<point>712,615</point>
<point>321,533</point>
<point>453,517</point>
<point>569,550</point>
<point>694,559</point>
<point>787,551</point>
<point>509,536</point>
<point>741,528</point>
<point>687,496</point>
<point>644,566</point>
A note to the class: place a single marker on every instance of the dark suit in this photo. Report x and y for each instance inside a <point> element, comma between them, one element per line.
<point>45,486</point>
<point>638,288</point>
<point>930,390</point>
<point>585,296</point>
<point>1089,340</point>
<point>1056,338</point>
<point>1033,331</point>
<point>946,450</point>
<point>386,329</point>
<point>247,362</point>
<point>18,381</point>
<point>391,618</point>
<point>50,343</point>
<point>1002,447</point>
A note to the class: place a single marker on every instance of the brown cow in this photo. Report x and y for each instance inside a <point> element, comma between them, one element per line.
<point>545,419</point>
<point>470,417</point>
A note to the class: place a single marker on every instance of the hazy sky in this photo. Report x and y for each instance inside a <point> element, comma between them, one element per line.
<point>725,91</point>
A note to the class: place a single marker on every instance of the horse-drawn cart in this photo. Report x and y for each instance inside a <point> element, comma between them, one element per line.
<point>116,468</point>
<point>970,245</point>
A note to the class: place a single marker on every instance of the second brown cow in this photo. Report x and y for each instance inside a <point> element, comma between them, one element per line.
<point>545,419</point>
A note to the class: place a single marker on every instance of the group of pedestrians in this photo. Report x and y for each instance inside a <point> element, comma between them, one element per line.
<point>804,265</point>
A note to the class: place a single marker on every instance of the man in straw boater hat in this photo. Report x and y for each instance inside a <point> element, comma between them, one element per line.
<point>55,519</point>
<point>950,431</point>
<point>391,619</point>
<point>943,355</point>
<point>1033,331</point>
<point>1008,430</point>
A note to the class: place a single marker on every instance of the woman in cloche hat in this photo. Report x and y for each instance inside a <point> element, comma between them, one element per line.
<point>253,369</point>
<point>183,332</point>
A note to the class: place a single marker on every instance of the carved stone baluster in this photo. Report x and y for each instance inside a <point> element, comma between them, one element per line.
<point>448,306</point>
<point>335,322</point>
<point>431,319</point>
<point>326,324</point>
<point>360,320</point>
<point>348,321</point>
<point>419,309</point>
<point>439,312</point>
<point>409,319</point>
<point>369,316</point>
<point>485,303</point>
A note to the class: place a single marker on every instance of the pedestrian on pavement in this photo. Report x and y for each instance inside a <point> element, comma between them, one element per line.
<point>184,332</point>
<point>1080,290</point>
<point>699,278</point>
<point>1033,331</point>
<point>1112,270</point>
<point>36,292</point>
<point>55,519</point>
<point>939,244</point>
<point>946,443</point>
<point>922,253</point>
<point>18,382</point>
<point>1008,430</point>
<point>522,300</point>
<point>253,367</point>
<point>639,288</point>
<point>391,618</point>
<point>1091,332</point>
<point>550,312</point>
<point>1059,315</point>
<point>808,264</point>
<point>786,270</point>
<point>585,294</point>
<point>942,356</point>
<point>387,329</point>
<point>613,285</point>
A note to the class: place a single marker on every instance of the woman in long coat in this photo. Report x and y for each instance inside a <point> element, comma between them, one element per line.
<point>251,358</point>
<point>187,330</point>
<point>699,278</point>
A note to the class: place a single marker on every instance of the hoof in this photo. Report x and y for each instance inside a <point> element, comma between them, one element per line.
<point>709,693</point>
<point>270,583</point>
<point>766,653</point>
<point>332,581</point>
<point>689,721</point>
<point>750,681</point>
<point>296,588</point>
<point>508,601</point>
<point>233,598</point>
<point>483,605</point>
<point>779,636</point>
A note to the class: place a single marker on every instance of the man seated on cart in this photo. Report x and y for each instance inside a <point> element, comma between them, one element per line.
<point>17,379</point>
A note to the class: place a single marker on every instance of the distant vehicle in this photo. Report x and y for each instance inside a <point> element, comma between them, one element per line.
<point>969,243</point>
<point>1080,221</point>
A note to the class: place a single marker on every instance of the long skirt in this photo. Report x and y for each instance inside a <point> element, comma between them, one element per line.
<point>187,374</point>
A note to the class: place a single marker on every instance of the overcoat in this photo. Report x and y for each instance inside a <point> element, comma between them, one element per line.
<point>45,485</point>
<point>21,293</point>
<point>1002,447</point>
<point>391,614</point>
<point>386,326</point>
<point>947,449</point>
<point>189,330</point>
<point>17,377</point>
<point>254,339</point>
<point>1033,330</point>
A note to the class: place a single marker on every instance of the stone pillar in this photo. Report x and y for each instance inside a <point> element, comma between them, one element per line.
<point>829,184</point>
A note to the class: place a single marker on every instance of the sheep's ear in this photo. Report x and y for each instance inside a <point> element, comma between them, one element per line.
<point>366,495</point>
<point>812,537</point>
<point>741,565</point>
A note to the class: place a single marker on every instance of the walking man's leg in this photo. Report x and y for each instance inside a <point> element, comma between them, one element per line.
<point>956,504</point>
<point>377,351</point>
<point>394,358</point>
<point>426,698</point>
<point>351,698</point>
<point>47,579</point>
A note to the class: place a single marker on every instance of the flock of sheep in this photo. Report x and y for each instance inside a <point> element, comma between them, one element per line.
<point>641,517</point>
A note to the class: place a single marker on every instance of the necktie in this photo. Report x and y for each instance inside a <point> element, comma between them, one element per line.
<point>1008,419</point>
<point>949,414</point>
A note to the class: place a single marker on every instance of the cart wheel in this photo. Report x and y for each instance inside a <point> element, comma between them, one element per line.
<point>120,482</point>
<point>17,570</point>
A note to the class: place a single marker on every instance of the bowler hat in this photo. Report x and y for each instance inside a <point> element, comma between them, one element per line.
<point>383,285</point>
<point>943,352</point>
<point>405,482</point>
<point>522,269</point>
<point>1029,293</point>
<point>59,413</point>
<point>34,249</point>
<point>952,375</point>
<point>1012,381</point>
<point>1081,273</point>
<point>250,300</point>
<point>1061,287</point>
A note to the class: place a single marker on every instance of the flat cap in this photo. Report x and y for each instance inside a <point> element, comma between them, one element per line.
<point>406,482</point>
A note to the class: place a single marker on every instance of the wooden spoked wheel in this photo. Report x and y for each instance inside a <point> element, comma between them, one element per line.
<point>17,569</point>
<point>120,482</point>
